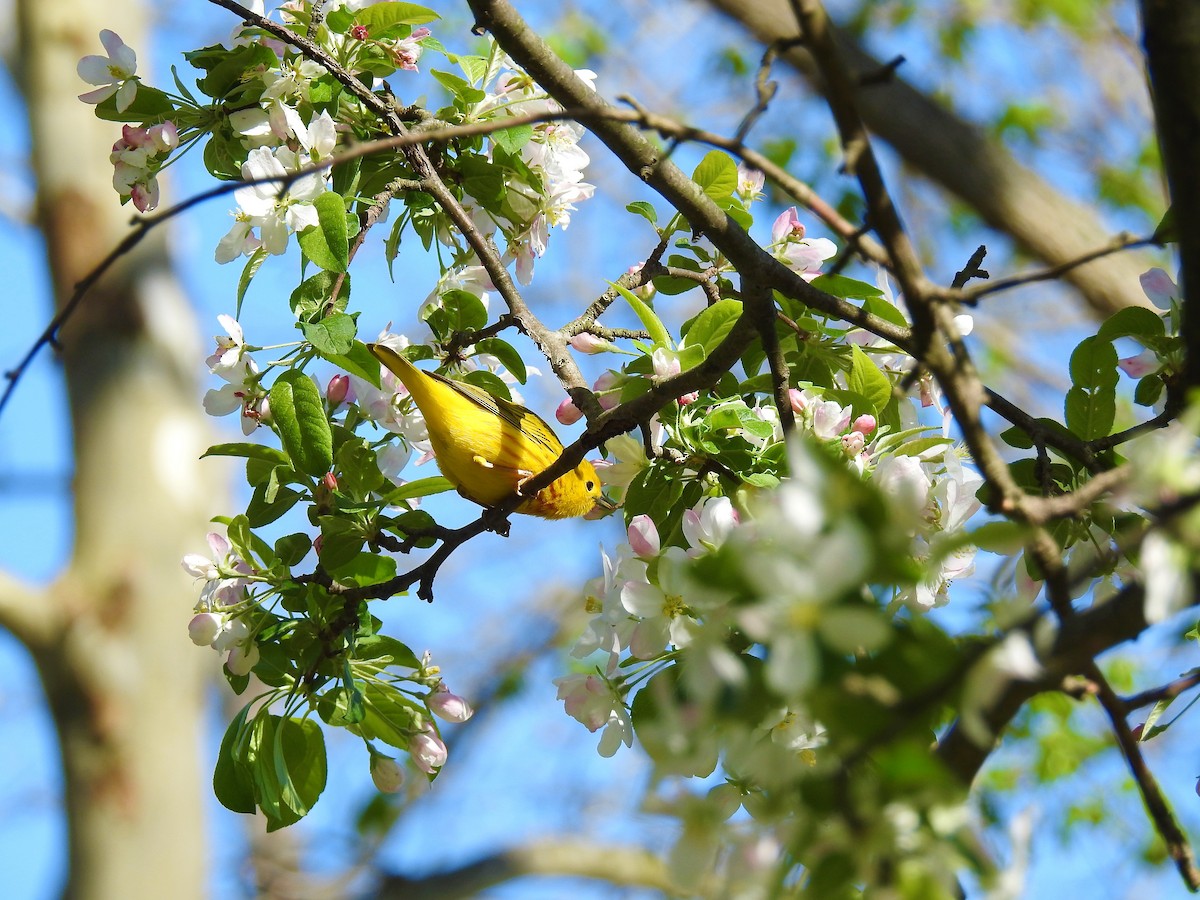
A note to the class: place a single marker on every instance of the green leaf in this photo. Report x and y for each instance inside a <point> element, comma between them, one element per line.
<point>386,651</point>
<point>511,140</point>
<point>650,321</point>
<point>327,244</point>
<point>341,541</point>
<point>458,311</point>
<point>645,210</point>
<point>1000,537</point>
<point>381,17</point>
<point>300,768</point>
<point>865,378</point>
<point>1090,414</point>
<point>358,361</point>
<point>225,67</point>
<point>716,174</point>
<point>1137,322</point>
<point>506,353</point>
<point>390,717</point>
<point>291,548</point>
<point>299,417</point>
<point>313,299</point>
<point>248,451</point>
<point>1094,364</point>
<point>359,469</point>
<point>391,247</point>
<point>233,783</point>
<point>458,87</point>
<point>1166,232</point>
<point>266,506</point>
<point>422,487</point>
<point>711,326</point>
<point>248,272</point>
<point>364,569</point>
<point>149,105</point>
<point>331,336</point>
<point>1148,390</point>
<point>850,289</point>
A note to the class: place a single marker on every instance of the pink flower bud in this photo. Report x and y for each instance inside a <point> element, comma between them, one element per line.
<point>605,389</point>
<point>339,387</point>
<point>427,751</point>
<point>330,481</point>
<point>689,399</point>
<point>359,33</point>
<point>799,401</point>
<point>853,443</point>
<point>589,343</point>
<point>204,628</point>
<point>568,413</point>
<point>643,536</point>
<point>864,424</point>
<point>448,706</point>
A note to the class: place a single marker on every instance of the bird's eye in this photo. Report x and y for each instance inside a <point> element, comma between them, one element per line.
<point>591,485</point>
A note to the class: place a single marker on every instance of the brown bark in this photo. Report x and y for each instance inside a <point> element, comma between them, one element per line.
<point>123,682</point>
<point>1172,41</point>
<point>962,159</point>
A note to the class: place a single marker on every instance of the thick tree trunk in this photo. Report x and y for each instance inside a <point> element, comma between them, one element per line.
<point>123,682</point>
<point>960,158</point>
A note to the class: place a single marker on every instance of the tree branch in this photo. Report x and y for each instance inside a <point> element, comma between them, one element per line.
<point>26,613</point>
<point>961,158</point>
<point>626,866</point>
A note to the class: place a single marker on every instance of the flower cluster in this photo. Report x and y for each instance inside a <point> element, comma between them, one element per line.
<point>218,622</point>
<point>233,364</point>
<point>136,162</point>
<point>552,155</point>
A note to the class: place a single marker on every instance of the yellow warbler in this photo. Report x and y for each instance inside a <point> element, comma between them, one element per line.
<point>489,447</point>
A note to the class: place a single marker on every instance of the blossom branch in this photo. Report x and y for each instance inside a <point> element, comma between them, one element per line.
<point>644,159</point>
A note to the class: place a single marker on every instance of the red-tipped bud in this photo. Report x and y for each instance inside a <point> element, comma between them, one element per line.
<point>864,424</point>
<point>339,387</point>
<point>568,413</point>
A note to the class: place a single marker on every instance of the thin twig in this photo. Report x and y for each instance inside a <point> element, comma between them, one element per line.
<point>1156,804</point>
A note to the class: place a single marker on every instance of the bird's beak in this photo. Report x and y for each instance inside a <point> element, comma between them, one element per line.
<point>604,507</point>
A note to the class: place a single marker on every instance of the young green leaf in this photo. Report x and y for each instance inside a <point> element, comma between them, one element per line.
<point>332,335</point>
<point>650,321</point>
<point>716,174</point>
<point>299,417</point>
<point>865,378</point>
<point>711,326</point>
<point>327,244</point>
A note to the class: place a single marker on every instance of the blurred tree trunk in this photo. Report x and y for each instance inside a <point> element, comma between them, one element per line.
<point>960,158</point>
<point>122,680</point>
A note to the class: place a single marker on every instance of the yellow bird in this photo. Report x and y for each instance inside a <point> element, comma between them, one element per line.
<point>490,447</point>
